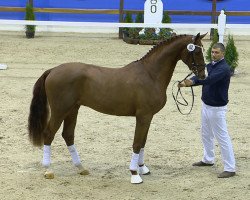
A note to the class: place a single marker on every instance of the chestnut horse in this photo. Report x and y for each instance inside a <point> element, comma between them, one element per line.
<point>137,89</point>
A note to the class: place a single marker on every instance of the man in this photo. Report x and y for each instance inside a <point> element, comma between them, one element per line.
<point>214,106</point>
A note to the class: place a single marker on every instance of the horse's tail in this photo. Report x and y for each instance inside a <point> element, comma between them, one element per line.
<point>39,112</point>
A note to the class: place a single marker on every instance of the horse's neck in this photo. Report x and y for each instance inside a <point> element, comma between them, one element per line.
<point>162,62</point>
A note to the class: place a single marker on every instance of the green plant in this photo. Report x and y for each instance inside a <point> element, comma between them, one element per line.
<point>133,33</point>
<point>166,18</point>
<point>165,33</point>
<point>29,15</point>
<point>231,54</point>
<point>139,18</point>
<point>149,33</point>
<point>127,19</point>
<point>215,40</point>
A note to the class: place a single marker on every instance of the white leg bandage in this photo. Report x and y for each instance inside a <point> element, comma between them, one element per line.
<point>134,162</point>
<point>74,155</point>
<point>46,156</point>
<point>141,157</point>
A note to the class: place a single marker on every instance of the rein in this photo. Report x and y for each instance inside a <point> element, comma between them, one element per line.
<point>177,102</point>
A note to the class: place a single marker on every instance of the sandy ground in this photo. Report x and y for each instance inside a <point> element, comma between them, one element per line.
<point>104,142</point>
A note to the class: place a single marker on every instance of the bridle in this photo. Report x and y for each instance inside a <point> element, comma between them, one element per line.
<point>194,69</point>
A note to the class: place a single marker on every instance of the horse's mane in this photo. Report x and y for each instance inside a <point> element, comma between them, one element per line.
<point>163,43</point>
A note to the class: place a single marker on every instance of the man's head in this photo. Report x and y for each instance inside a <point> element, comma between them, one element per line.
<point>217,52</point>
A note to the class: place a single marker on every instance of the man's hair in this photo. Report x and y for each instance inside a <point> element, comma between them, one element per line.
<point>220,46</point>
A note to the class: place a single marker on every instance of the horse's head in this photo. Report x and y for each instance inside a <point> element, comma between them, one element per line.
<point>192,56</point>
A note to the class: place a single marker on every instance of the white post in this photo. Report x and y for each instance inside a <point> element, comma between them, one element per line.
<point>153,13</point>
<point>221,25</point>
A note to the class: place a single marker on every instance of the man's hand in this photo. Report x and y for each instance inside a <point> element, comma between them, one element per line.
<point>185,83</point>
<point>181,84</point>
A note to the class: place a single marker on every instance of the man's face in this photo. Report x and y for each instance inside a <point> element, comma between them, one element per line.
<point>217,54</point>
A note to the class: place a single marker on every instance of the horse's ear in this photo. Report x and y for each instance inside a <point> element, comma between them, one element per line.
<point>202,36</point>
<point>199,36</point>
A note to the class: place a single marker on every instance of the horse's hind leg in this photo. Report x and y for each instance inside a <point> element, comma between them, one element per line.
<point>49,134</point>
<point>68,136</point>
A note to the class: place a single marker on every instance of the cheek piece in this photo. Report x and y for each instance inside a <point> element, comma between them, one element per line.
<point>191,47</point>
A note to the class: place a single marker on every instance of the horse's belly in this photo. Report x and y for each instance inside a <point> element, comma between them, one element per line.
<point>109,102</point>
<point>112,108</point>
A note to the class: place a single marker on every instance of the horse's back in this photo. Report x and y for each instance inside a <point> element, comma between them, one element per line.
<point>100,88</point>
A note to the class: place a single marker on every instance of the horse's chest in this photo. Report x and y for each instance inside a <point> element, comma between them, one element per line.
<point>156,100</point>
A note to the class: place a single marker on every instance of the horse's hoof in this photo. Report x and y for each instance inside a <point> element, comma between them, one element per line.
<point>144,170</point>
<point>84,172</point>
<point>81,170</point>
<point>136,179</point>
<point>49,175</point>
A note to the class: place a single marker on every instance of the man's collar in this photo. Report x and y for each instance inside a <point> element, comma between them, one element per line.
<point>213,62</point>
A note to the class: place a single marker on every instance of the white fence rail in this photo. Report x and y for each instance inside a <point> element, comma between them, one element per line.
<point>242,29</point>
<point>118,25</point>
<point>105,25</point>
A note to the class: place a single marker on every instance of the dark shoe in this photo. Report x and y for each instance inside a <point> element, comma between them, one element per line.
<point>226,174</point>
<point>201,164</point>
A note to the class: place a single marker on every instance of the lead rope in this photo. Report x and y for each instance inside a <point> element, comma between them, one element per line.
<point>177,102</point>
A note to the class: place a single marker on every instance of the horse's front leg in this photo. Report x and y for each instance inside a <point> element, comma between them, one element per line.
<point>141,131</point>
<point>143,169</point>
